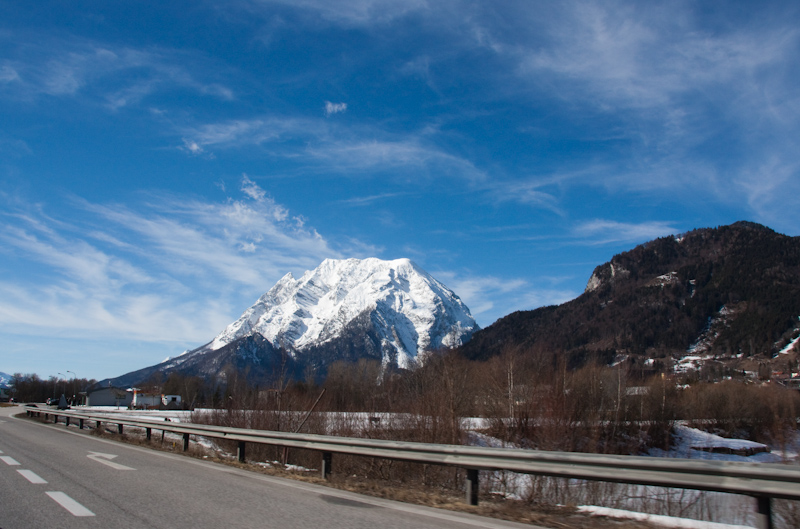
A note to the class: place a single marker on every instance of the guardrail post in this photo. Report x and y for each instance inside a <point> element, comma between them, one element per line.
<point>55,419</point>
<point>185,442</point>
<point>119,428</point>
<point>66,420</point>
<point>99,425</point>
<point>80,424</point>
<point>327,460</point>
<point>147,433</point>
<point>472,486</point>
<point>764,512</point>
<point>240,452</point>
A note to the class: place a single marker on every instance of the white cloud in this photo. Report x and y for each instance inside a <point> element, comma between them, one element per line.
<point>170,270</point>
<point>78,67</point>
<point>252,190</point>
<point>332,147</point>
<point>254,131</point>
<point>601,231</point>
<point>354,13</point>
<point>192,147</point>
<point>773,192</point>
<point>368,200</point>
<point>334,108</point>
<point>633,56</point>
<point>412,152</point>
<point>526,192</point>
<point>492,297</point>
<point>8,74</point>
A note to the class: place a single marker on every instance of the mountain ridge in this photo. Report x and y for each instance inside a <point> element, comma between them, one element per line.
<point>651,305</point>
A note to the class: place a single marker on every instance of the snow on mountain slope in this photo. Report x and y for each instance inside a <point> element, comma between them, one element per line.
<point>411,310</point>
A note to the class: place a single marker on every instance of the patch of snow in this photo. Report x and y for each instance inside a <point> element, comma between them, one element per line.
<point>298,468</point>
<point>659,519</point>
<point>695,353</point>
<point>691,443</point>
<point>791,344</point>
<point>689,362</point>
<point>666,279</point>
<point>619,359</point>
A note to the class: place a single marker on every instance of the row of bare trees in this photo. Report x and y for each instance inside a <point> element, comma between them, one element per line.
<point>32,388</point>
<point>522,402</point>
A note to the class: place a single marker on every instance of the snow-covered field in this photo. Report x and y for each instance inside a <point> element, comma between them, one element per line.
<point>656,505</point>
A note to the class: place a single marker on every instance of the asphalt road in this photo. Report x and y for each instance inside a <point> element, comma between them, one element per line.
<point>57,477</point>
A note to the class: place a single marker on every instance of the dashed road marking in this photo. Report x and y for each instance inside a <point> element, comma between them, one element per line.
<point>75,508</point>
<point>32,477</point>
<point>8,460</point>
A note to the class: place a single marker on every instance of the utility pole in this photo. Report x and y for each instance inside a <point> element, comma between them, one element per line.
<point>74,377</point>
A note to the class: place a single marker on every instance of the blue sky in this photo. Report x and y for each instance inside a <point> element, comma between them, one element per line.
<point>163,165</point>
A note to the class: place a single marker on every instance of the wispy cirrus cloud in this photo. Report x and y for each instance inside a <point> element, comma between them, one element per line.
<point>172,269</point>
<point>117,76</point>
<point>601,231</point>
<point>491,297</point>
<point>343,149</point>
<point>371,199</point>
<point>8,74</point>
<point>249,132</point>
<point>527,192</point>
<point>349,13</point>
<point>360,154</point>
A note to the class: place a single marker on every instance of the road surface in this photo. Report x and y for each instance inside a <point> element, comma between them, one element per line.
<point>53,476</point>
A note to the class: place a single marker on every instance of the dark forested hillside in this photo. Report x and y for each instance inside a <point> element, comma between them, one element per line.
<point>729,292</point>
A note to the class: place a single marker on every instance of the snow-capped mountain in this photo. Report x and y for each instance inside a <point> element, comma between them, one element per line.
<point>411,311</point>
<point>390,311</point>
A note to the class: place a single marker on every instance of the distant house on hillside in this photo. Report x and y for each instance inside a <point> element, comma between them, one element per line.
<point>109,396</point>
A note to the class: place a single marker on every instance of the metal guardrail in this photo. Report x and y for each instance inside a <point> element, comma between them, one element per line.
<point>760,480</point>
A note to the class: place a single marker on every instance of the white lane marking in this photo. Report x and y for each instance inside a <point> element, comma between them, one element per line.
<point>75,508</point>
<point>32,477</point>
<point>8,460</point>
<point>106,460</point>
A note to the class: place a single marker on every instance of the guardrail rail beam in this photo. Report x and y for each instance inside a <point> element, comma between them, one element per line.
<point>763,481</point>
